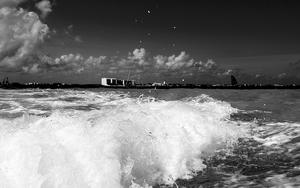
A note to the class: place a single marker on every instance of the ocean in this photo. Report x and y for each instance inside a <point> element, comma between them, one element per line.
<point>113,138</point>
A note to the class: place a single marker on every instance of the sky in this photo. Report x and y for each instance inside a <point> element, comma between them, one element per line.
<point>201,42</point>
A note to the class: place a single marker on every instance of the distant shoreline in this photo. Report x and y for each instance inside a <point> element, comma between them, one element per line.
<point>171,86</point>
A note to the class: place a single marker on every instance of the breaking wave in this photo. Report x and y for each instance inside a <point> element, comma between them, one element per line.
<point>115,141</point>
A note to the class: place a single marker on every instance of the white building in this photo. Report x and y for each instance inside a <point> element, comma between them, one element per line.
<point>159,84</point>
<point>111,82</point>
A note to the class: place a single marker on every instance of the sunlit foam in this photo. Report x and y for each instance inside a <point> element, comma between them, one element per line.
<point>136,143</point>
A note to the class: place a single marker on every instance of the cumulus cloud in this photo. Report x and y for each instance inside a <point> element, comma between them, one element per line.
<point>139,62</point>
<point>183,61</point>
<point>45,7</point>
<point>20,34</point>
<point>10,3</point>
<point>171,63</point>
<point>138,56</point>
<point>70,63</point>
<point>174,62</point>
<point>94,61</point>
<point>228,72</point>
<point>32,69</point>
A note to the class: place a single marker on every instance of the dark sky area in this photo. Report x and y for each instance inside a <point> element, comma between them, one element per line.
<point>257,40</point>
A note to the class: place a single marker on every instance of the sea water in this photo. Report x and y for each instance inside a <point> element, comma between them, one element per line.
<point>149,138</point>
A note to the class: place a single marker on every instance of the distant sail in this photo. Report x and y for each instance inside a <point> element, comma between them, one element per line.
<point>233,80</point>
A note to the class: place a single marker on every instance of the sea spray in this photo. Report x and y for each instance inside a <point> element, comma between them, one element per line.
<point>126,142</point>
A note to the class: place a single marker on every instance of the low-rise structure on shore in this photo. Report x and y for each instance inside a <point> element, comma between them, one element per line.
<point>113,82</point>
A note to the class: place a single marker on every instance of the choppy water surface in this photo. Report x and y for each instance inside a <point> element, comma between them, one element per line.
<point>143,138</point>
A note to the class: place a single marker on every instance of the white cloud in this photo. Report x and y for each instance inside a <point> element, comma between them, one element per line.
<point>138,56</point>
<point>139,62</point>
<point>45,7</point>
<point>70,63</point>
<point>32,69</point>
<point>139,53</point>
<point>228,72</point>
<point>94,61</point>
<point>69,58</point>
<point>210,65</point>
<point>20,33</point>
<point>174,62</point>
<point>10,3</point>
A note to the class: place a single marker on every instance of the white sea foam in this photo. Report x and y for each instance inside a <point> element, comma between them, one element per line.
<point>277,134</point>
<point>137,142</point>
<point>278,144</point>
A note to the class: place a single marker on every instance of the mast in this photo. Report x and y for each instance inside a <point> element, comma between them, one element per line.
<point>128,75</point>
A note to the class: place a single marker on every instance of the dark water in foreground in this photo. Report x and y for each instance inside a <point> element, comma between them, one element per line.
<point>140,138</point>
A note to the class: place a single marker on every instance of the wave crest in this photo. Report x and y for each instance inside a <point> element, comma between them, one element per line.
<point>136,143</point>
